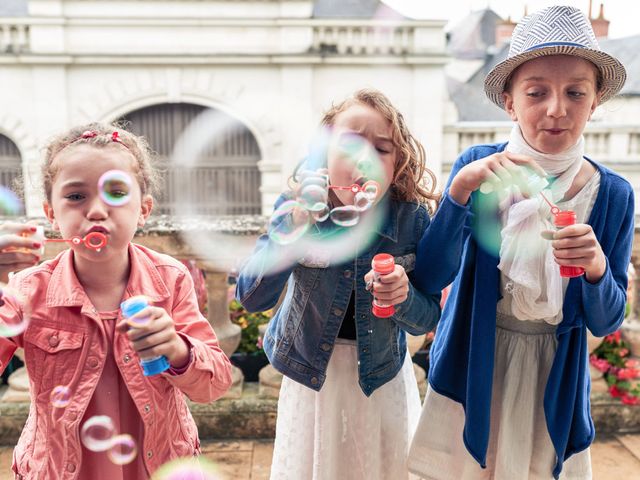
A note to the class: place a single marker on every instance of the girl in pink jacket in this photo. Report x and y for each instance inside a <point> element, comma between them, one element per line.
<point>94,414</point>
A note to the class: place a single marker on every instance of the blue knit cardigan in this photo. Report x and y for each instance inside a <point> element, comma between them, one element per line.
<point>463,351</point>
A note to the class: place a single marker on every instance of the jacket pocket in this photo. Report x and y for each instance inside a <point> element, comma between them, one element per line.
<point>49,353</point>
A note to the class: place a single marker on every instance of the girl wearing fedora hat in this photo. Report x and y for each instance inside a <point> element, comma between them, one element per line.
<point>509,383</point>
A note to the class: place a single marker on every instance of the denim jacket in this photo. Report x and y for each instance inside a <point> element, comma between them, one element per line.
<point>300,337</point>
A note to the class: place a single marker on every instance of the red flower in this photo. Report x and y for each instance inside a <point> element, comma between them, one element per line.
<point>630,399</point>
<point>615,392</point>
<point>613,338</point>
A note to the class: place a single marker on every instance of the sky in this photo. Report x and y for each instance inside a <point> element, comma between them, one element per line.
<point>623,14</point>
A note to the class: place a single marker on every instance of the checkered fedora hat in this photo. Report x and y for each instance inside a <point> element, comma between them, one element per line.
<point>558,30</point>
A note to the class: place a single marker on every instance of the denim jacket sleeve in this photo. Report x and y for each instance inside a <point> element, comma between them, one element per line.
<point>604,301</point>
<point>420,312</point>
<point>259,284</point>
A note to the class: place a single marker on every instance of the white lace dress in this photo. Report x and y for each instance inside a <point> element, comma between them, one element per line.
<point>339,433</point>
<point>519,447</point>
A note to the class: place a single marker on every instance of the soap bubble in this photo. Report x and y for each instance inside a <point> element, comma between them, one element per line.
<point>115,187</point>
<point>123,449</point>
<point>97,432</point>
<point>302,223</point>
<point>10,203</point>
<point>60,396</point>
<point>187,469</point>
<point>15,312</point>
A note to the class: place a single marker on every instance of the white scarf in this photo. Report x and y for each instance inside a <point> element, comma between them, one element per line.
<point>525,257</point>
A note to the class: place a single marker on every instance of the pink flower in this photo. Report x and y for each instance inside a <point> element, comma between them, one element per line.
<point>627,374</point>
<point>623,352</point>
<point>632,363</point>
<point>599,363</point>
<point>630,399</point>
<point>259,342</point>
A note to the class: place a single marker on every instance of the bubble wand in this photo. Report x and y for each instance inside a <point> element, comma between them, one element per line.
<point>93,240</point>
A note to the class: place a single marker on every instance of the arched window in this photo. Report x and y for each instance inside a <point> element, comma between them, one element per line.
<point>10,165</point>
<point>226,179</point>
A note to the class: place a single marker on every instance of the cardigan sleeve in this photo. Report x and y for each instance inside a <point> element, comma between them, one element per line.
<point>604,302</point>
<point>440,250</point>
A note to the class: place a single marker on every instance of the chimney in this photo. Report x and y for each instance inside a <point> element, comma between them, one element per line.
<point>504,30</point>
<point>600,25</point>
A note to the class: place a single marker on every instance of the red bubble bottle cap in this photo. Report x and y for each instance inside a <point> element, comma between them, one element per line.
<point>564,218</point>
<point>383,263</point>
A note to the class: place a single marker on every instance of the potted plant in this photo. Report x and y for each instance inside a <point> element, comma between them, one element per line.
<point>621,372</point>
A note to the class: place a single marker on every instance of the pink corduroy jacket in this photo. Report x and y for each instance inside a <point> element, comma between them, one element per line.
<point>64,345</point>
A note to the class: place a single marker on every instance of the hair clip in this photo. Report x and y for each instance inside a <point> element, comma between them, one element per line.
<point>89,134</point>
<point>114,137</point>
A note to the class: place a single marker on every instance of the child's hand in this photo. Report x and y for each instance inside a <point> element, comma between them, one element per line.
<point>501,167</point>
<point>11,242</point>
<point>156,335</point>
<point>390,289</point>
<point>577,245</point>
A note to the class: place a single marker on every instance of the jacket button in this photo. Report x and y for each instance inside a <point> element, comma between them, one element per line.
<point>314,381</point>
<point>92,362</point>
<point>326,347</point>
<point>54,341</point>
<point>149,454</point>
<point>147,408</point>
<point>126,358</point>
<point>347,274</point>
<point>337,312</point>
<point>71,467</point>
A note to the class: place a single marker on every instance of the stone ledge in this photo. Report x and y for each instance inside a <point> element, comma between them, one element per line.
<point>253,417</point>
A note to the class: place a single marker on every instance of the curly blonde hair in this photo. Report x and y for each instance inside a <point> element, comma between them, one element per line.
<point>409,182</point>
<point>146,176</point>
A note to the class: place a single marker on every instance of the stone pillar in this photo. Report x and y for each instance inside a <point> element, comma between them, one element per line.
<point>414,343</point>
<point>228,333</point>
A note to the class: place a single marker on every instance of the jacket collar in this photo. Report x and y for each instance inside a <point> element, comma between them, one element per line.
<point>65,290</point>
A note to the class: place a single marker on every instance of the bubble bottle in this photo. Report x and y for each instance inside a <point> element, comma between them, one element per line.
<point>382,264</point>
<point>150,366</point>
<point>563,219</point>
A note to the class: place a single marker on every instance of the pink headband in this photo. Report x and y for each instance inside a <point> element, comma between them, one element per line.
<point>115,137</point>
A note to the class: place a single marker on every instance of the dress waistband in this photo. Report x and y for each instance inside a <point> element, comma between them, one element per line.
<point>513,324</point>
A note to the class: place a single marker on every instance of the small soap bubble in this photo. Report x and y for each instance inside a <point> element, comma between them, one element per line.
<point>115,187</point>
<point>123,449</point>
<point>60,396</point>
<point>188,469</point>
<point>346,216</point>
<point>285,229</point>
<point>15,312</point>
<point>10,204</point>
<point>313,197</point>
<point>97,432</point>
<point>321,215</point>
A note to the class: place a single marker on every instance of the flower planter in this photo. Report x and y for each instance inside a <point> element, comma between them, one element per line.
<point>249,363</point>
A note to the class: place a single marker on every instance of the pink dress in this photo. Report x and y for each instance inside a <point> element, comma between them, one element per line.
<point>111,398</point>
